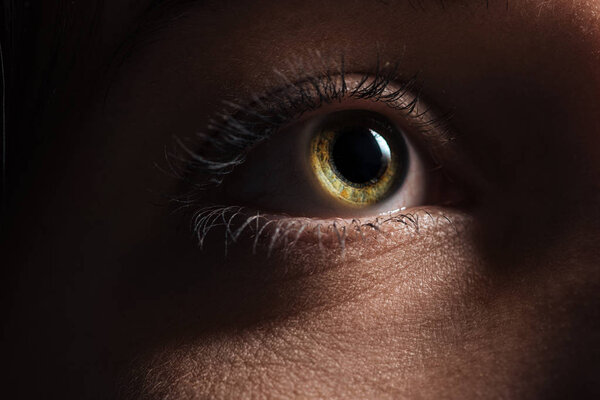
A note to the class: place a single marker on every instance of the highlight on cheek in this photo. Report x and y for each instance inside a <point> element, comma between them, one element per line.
<point>358,157</point>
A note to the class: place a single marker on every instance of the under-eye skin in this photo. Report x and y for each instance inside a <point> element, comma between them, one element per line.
<point>277,170</point>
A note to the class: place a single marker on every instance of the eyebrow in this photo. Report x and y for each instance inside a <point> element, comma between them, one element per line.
<point>157,15</point>
<point>157,12</point>
<point>161,9</point>
<point>153,6</point>
<point>153,17</point>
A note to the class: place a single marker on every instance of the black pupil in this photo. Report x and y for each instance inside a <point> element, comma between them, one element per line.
<point>358,156</point>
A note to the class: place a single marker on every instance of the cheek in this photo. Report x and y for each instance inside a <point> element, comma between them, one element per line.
<point>368,309</point>
<point>427,314</point>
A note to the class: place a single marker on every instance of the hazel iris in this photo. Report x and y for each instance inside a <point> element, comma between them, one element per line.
<point>358,156</point>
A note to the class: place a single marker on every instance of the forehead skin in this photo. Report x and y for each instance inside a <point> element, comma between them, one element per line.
<point>115,296</point>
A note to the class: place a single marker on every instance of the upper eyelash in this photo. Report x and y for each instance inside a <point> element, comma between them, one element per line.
<point>241,126</point>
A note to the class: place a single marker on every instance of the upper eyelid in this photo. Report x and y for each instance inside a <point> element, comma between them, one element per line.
<point>240,126</point>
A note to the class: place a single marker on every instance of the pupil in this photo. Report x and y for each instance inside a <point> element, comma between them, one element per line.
<point>360,155</point>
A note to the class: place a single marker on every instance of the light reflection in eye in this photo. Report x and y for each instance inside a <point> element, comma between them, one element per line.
<point>383,146</point>
<point>354,162</point>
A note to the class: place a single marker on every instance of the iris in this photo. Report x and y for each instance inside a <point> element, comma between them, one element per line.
<point>358,157</point>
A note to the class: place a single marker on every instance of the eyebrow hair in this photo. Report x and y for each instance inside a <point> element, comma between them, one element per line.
<point>157,15</point>
<point>166,5</point>
<point>419,5</point>
<point>157,12</point>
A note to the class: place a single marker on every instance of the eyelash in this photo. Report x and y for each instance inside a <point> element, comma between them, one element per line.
<point>232,133</point>
<point>240,127</point>
<point>208,218</point>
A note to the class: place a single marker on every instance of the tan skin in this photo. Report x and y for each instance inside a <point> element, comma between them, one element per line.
<point>500,302</point>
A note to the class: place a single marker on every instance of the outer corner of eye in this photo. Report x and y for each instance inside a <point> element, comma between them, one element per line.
<point>345,163</point>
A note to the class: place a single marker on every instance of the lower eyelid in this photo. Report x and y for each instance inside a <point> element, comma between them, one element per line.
<point>256,233</point>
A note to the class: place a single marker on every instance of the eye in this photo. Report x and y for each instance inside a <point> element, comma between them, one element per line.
<point>333,163</point>
<point>358,157</point>
<point>326,147</point>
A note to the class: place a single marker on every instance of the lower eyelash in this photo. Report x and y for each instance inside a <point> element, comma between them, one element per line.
<point>269,233</point>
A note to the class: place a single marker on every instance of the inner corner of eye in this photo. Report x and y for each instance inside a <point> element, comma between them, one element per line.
<point>358,157</point>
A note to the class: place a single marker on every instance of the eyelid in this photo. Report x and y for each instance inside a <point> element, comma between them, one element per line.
<point>238,128</point>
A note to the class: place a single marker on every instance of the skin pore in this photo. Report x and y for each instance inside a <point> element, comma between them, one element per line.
<point>497,299</point>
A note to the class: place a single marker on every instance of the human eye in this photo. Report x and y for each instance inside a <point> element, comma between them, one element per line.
<point>326,152</point>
